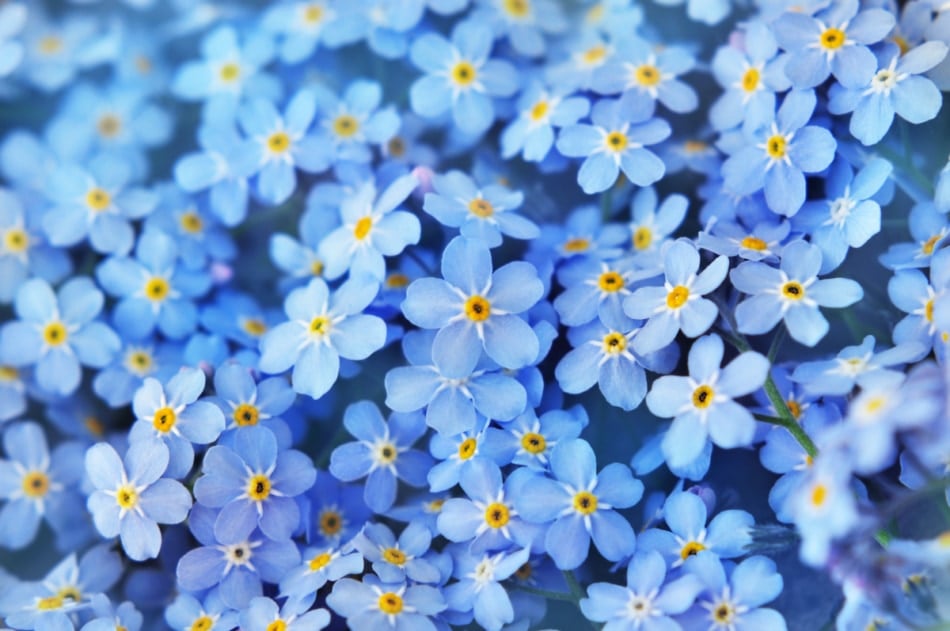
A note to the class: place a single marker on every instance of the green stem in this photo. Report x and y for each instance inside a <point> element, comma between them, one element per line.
<point>577,592</point>
<point>787,420</point>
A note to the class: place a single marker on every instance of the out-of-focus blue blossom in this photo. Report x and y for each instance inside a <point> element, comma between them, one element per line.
<point>679,304</point>
<point>777,156</point>
<point>524,23</point>
<point>853,365</point>
<point>460,76</point>
<point>382,453</point>
<point>322,328</point>
<point>12,18</point>
<point>154,290</point>
<point>540,112</point>
<point>702,404</point>
<point>929,228</point>
<point>706,11</point>
<point>56,332</point>
<point>354,122</point>
<point>834,41</point>
<point>615,142</point>
<point>54,51</point>
<point>201,239</point>
<point>653,222</point>
<point>791,293</point>
<point>131,497</point>
<point>124,616</point>
<point>653,71</point>
<point>304,26</point>
<point>581,504</point>
<point>211,169</point>
<point>896,88</point>
<point>24,251</point>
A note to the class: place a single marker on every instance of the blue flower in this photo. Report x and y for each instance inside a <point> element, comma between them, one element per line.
<point>36,484</point>
<point>322,328</point>
<point>896,88</point>
<point>304,26</point>
<point>929,228</point>
<point>779,155</point>
<point>615,142</point>
<point>850,216</point>
<point>246,404</point>
<point>486,519</point>
<point>792,293</point>
<point>153,290</point>
<point>834,41</point>
<point>726,536</point>
<point>479,586</point>
<point>371,604</point>
<point>529,439</point>
<point>456,453</point>
<point>131,498</point>
<point>211,169</point>
<point>13,16</point>
<point>451,403</point>
<point>648,600</point>
<point>57,332</point>
<point>853,365</point>
<point>24,251</point>
<point>125,616</point>
<point>382,453</point>
<point>597,289</point>
<point>174,416</point>
<point>540,111</point>
<point>337,512</point>
<point>320,565</point>
<point>736,602</point>
<point>702,404</point>
<point>254,484</point>
<point>650,225</point>
<point>370,229</point>
<point>201,239</point>
<point>731,238</point>
<point>480,213</point>
<point>397,561</point>
<point>639,67</point>
<point>525,23</point>
<point>476,309</point>
<point>213,615</point>
<point>460,76</point>
<point>580,503</point>
<point>679,304</point>
<point>354,122</point>
<point>262,614</point>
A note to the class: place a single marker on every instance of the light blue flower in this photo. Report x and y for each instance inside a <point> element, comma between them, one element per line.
<point>320,566</point>
<point>263,614</point>
<point>529,439</point>
<point>56,332</point>
<point>304,26</point>
<point>322,328</point>
<point>354,122</point>
<point>708,12</point>
<point>211,168</point>
<point>131,498</point>
<point>398,560</point>
<point>702,404</point>
<point>186,610</point>
<point>929,229</point>
<point>615,142</point>
<point>24,250</point>
<point>460,76</point>
<point>540,111</point>
<point>371,604</point>
<point>734,601</point>
<point>791,293</point>
<point>652,223</point>
<point>479,586</point>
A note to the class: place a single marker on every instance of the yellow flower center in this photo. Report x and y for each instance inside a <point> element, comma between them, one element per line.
<point>16,240</point>
<point>320,325</point>
<point>320,561</point>
<point>313,13</point>
<point>463,73</point>
<point>585,502</point>
<point>156,289</point>
<point>394,556</point>
<point>390,603</point>
<point>397,280</point>
<point>109,125</point>
<point>277,625</point>
<point>55,333</point>
<point>126,497</point>
<point>723,614</point>
<point>191,222</point>
<point>517,8</point>
<point>139,362</point>
<point>254,327</point>
<point>49,603</point>
<point>9,373</point>
<point>345,125</point>
<point>691,548</point>
<point>927,248</point>
<point>533,443</point>
<point>642,238</point>
<point>832,38</point>
<point>695,146</point>
<point>616,141</point>
<point>245,415</point>
<point>50,45</point>
<point>610,282</point>
<point>750,79</point>
<point>793,290</point>
<point>258,487</point>
<point>614,343</point>
<point>594,55</point>
<point>98,199</point>
<point>278,142</point>
<point>794,407</point>
<point>819,494</point>
<point>677,297</point>
<point>467,448</point>
<point>776,147</point>
<point>70,592</point>
<point>539,111</point>
<point>481,208</point>
<point>164,420</point>
<point>577,244</point>
<point>647,75</point>
<point>229,72</point>
<point>331,522</point>
<point>929,310</point>
<point>497,515</point>
<point>204,623</point>
<point>35,484</point>
<point>94,426</point>
<point>435,506</point>
<point>754,243</point>
<point>703,397</point>
<point>362,227</point>
<point>396,147</point>
<point>386,453</point>
<point>477,309</point>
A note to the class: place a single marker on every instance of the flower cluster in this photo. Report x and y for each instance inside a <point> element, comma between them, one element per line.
<point>423,314</point>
